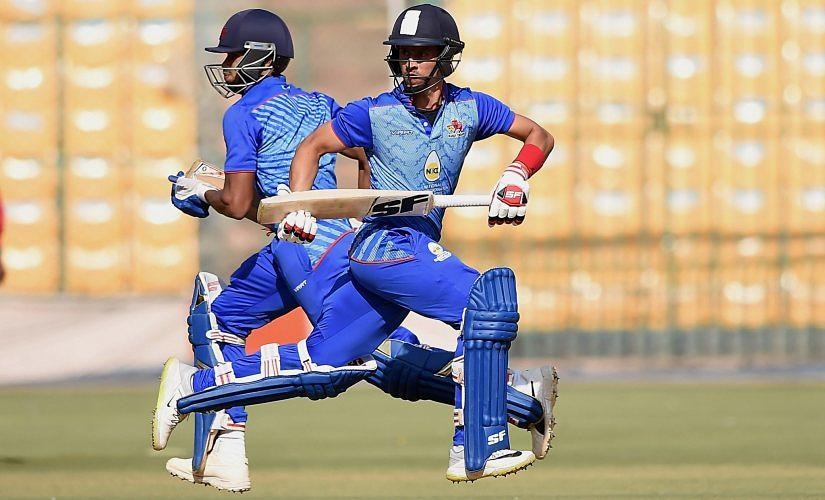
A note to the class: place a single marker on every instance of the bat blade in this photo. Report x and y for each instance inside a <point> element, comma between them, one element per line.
<point>345,203</point>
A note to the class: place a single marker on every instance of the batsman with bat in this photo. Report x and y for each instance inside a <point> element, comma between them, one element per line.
<point>350,322</point>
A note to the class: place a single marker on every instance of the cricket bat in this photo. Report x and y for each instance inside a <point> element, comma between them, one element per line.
<point>210,174</point>
<point>358,203</point>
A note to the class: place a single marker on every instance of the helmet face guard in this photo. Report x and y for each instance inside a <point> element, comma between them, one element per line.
<point>249,70</point>
<point>446,62</point>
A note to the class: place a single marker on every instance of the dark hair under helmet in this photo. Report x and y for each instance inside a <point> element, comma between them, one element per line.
<point>425,26</point>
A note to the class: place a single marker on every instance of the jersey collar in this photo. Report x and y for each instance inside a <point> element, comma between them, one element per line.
<point>269,86</point>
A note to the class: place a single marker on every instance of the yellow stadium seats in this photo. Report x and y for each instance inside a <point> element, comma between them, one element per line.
<point>544,301</point>
<point>29,86</point>
<point>606,212</point>
<point>750,250</point>
<point>167,268</point>
<point>103,86</point>
<point>154,9</point>
<point>97,269</point>
<point>748,296</point>
<point>95,42</point>
<point>28,177</point>
<point>28,131</point>
<point>803,286</point>
<point>693,299</point>
<point>93,176</point>
<point>609,162</point>
<point>806,210</point>
<point>32,267</point>
<point>26,10</point>
<point>164,128</point>
<point>690,252</point>
<point>94,130</point>
<point>91,9</point>
<point>29,221</point>
<point>485,30</point>
<point>150,175</point>
<point>162,40</point>
<point>485,73</point>
<point>29,43</point>
<point>157,222</point>
<point>95,221</point>
<point>617,27</point>
<point>677,185</point>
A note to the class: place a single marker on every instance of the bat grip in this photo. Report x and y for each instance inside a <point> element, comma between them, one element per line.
<point>461,200</point>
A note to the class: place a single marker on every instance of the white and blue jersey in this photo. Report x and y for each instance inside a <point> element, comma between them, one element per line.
<point>409,153</point>
<point>263,129</point>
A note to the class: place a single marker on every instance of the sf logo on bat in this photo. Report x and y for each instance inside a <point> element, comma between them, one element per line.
<point>408,205</point>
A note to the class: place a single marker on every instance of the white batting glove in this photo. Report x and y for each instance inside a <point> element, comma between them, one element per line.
<point>298,227</point>
<point>186,187</point>
<point>509,200</point>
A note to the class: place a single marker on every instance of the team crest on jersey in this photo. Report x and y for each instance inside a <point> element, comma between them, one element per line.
<point>432,167</point>
<point>455,129</point>
<point>438,251</point>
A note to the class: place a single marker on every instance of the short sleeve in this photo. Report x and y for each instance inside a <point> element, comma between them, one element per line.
<point>241,133</point>
<point>352,124</point>
<point>494,117</point>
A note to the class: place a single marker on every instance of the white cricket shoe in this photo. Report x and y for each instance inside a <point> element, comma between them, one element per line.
<point>543,384</point>
<point>227,467</point>
<point>500,463</point>
<point>175,383</point>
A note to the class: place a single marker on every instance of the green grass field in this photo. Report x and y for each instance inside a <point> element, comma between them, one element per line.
<point>639,440</point>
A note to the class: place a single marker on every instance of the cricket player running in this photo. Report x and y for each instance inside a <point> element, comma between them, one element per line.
<point>426,121</point>
<point>282,275</point>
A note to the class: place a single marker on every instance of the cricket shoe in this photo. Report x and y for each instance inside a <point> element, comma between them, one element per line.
<point>227,467</point>
<point>543,384</point>
<point>175,383</point>
<point>500,463</point>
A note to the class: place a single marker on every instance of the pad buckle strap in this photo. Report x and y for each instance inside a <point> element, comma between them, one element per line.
<point>270,360</point>
<point>224,374</point>
<point>226,338</point>
<point>303,354</point>
<point>458,417</point>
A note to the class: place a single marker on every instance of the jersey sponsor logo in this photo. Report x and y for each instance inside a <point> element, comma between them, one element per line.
<point>512,196</point>
<point>496,438</point>
<point>400,206</point>
<point>438,251</point>
<point>432,167</point>
<point>299,287</point>
<point>455,129</point>
<point>401,132</point>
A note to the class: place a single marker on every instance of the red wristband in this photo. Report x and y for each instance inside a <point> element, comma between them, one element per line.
<point>531,157</point>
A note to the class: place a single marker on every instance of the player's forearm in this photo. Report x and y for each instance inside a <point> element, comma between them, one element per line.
<point>304,169</point>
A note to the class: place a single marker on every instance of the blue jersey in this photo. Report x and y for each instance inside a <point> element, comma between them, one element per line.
<point>407,152</point>
<point>263,129</point>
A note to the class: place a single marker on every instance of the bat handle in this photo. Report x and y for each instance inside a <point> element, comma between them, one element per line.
<point>461,200</point>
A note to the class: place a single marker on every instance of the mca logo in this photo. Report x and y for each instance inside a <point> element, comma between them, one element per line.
<point>432,167</point>
<point>438,251</point>
<point>455,129</point>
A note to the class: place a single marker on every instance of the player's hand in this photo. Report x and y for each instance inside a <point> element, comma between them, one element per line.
<point>298,227</point>
<point>189,195</point>
<point>509,200</point>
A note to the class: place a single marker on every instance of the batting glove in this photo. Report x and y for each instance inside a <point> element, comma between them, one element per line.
<point>189,195</point>
<point>509,200</point>
<point>298,227</point>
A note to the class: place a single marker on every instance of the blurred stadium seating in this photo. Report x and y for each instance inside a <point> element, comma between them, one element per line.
<point>685,194</point>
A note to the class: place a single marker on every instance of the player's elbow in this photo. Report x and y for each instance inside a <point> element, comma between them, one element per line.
<point>235,207</point>
<point>545,140</point>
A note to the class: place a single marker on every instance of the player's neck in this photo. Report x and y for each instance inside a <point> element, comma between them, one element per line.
<point>429,99</point>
